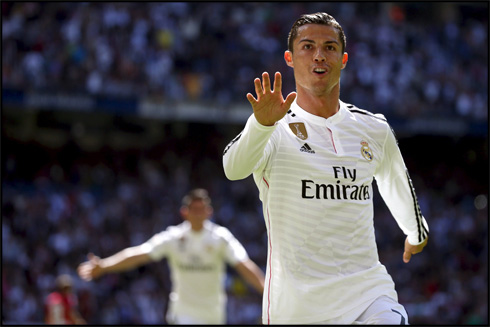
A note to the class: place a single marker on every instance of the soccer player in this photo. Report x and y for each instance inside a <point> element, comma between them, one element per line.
<point>197,251</point>
<point>60,306</point>
<point>313,158</point>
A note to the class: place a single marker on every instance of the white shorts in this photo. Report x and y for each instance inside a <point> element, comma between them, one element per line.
<point>183,320</point>
<point>382,311</point>
<point>188,319</point>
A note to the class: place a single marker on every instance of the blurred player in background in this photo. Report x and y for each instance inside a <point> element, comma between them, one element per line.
<point>197,251</point>
<point>313,158</point>
<point>61,306</point>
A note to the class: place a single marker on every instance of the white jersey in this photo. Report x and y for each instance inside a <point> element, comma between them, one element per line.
<point>315,178</point>
<point>197,266</point>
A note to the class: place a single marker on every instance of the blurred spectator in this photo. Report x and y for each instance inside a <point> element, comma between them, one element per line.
<point>212,51</point>
<point>61,305</point>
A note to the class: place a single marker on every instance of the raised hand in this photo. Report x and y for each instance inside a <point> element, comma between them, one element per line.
<point>270,105</point>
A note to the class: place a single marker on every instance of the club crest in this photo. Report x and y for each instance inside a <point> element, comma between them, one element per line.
<point>366,151</point>
<point>299,130</point>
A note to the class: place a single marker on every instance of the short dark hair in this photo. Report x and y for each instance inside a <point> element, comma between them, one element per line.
<point>196,194</point>
<point>316,18</point>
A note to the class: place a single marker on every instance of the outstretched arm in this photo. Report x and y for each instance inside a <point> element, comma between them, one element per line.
<point>252,274</point>
<point>126,259</point>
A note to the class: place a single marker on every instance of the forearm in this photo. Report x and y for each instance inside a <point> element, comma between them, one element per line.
<point>400,198</point>
<point>398,192</point>
<point>124,260</point>
<point>244,152</point>
<point>252,274</point>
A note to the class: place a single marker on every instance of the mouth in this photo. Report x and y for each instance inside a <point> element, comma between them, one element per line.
<point>319,70</point>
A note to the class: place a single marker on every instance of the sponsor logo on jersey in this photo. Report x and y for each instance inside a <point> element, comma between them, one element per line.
<point>306,148</point>
<point>344,188</point>
<point>366,151</point>
<point>312,190</point>
<point>194,262</point>
<point>195,267</point>
<point>299,130</point>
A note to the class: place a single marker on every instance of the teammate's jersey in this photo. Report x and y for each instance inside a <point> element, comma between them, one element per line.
<point>315,178</point>
<point>58,307</point>
<point>197,262</point>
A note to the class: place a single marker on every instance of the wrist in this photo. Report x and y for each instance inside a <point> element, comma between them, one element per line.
<point>102,265</point>
<point>264,126</point>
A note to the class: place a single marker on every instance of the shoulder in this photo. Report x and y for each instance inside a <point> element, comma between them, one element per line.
<point>219,231</point>
<point>375,124</point>
<point>171,232</point>
<point>365,115</point>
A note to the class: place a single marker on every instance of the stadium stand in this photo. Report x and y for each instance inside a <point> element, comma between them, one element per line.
<point>112,111</point>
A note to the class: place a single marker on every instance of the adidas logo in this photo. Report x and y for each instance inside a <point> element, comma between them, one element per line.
<point>306,148</point>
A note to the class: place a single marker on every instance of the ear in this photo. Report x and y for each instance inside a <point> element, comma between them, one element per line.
<point>345,58</point>
<point>184,211</point>
<point>288,56</point>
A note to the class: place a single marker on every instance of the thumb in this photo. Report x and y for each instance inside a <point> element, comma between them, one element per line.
<point>289,99</point>
<point>406,256</point>
<point>92,258</point>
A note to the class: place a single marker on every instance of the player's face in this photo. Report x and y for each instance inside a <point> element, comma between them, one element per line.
<point>317,58</point>
<point>197,210</point>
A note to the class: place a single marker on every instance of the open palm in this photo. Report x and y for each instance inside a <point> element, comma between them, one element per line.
<point>270,105</point>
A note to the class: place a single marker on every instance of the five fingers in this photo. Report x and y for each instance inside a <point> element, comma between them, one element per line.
<point>265,86</point>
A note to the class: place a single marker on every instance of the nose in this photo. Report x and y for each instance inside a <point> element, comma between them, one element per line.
<point>320,55</point>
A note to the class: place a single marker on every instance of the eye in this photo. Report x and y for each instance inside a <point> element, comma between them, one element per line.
<point>307,46</point>
<point>331,48</point>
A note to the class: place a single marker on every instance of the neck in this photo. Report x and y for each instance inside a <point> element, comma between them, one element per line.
<point>197,226</point>
<point>324,105</point>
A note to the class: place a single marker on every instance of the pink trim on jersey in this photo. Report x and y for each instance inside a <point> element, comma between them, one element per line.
<point>331,137</point>
<point>270,263</point>
<point>270,271</point>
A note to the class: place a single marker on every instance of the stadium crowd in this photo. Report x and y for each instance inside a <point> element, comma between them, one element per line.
<point>406,59</point>
<point>54,214</point>
<point>56,210</point>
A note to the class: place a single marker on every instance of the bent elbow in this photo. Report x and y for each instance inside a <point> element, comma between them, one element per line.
<point>234,175</point>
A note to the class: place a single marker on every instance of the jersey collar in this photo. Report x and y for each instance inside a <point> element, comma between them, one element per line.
<point>317,120</point>
<point>207,225</point>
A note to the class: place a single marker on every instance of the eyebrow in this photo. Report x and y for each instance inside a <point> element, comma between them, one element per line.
<point>326,42</point>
